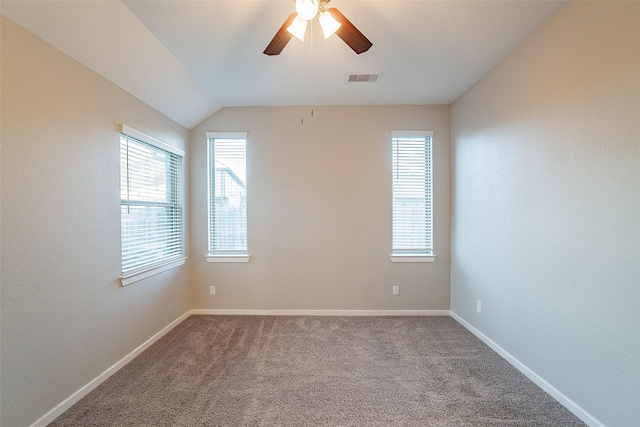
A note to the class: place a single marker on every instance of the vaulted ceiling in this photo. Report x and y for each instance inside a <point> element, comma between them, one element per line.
<point>187,59</point>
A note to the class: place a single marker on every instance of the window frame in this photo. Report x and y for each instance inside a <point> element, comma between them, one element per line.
<point>224,255</point>
<point>148,269</point>
<point>424,254</point>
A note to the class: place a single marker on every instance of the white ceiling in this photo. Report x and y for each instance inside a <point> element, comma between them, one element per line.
<point>187,59</point>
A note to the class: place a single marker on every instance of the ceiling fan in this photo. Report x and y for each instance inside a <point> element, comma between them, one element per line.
<point>331,20</point>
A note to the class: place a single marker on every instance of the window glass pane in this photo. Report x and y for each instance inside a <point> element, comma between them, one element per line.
<point>151,205</point>
<point>147,172</point>
<point>411,187</point>
<point>227,196</point>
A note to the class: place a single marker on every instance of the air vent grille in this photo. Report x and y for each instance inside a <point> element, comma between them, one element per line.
<point>363,77</point>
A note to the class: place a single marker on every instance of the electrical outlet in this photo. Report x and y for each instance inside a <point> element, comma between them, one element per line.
<point>212,290</point>
<point>396,290</point>
<point>479,307</point>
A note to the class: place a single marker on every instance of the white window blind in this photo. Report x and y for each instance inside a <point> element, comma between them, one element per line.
<point>227,193</point>
<point>151,207</point>
<point>411,188</point>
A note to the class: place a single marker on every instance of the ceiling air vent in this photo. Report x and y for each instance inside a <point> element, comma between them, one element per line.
<point>363,77</point>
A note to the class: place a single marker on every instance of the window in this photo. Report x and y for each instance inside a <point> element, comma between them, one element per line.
<point>227,152</point>
<point>411,194</point>
<point>151,206</point>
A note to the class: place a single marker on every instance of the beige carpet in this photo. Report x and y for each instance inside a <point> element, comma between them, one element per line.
<point>318,371</point>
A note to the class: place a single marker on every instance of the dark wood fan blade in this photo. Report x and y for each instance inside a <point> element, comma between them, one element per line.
<point>349,33</point>
<point>281,38</point>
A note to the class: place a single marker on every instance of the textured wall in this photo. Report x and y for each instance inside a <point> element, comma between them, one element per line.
<point>546,206</point>
<point>65,318</point>
<point>319,200</point>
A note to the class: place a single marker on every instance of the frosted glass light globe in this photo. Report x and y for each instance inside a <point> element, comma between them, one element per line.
<point>307,9</point>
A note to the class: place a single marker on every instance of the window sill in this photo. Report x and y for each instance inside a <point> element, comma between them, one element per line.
<point>412,258</point>
<point>157,269</point>
<point>227,258</point>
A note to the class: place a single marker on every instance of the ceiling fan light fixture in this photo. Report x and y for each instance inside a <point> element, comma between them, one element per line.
<point>331,20</point>
<point>307,9</point>
<point>298,27</point>
<point>328,23</point>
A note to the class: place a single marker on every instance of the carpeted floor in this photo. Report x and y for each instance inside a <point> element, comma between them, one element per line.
<point>318,371</point>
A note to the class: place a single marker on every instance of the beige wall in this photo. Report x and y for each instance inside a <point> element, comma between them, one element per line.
<point>65,318</point>
<point>545,221</point>
<point>546,206</point>
<point>319,200</point>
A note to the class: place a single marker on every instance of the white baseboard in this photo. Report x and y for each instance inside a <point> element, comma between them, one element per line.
<point>230,312</point>
<point>537,379</point>
<point>86,389</point>
<point>572,406</point>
